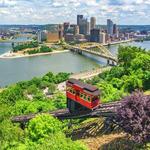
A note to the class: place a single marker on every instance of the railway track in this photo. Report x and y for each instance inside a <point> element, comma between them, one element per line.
<point>105,110</point>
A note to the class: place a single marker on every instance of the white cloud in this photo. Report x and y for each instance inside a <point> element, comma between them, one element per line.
<point>57,11</point>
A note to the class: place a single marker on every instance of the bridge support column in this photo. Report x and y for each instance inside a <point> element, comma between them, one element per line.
<point>80,52</point>
<point>113,63</point>
<point>108,62</point>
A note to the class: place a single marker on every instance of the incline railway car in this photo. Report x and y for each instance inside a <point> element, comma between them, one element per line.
<point>81,96</point>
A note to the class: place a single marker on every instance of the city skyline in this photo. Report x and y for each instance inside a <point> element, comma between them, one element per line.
<point>56,11</point>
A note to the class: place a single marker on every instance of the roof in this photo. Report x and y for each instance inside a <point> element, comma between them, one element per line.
<point>87,87</point>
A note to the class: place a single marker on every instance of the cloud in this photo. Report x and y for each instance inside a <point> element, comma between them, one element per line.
<point>58,11</point>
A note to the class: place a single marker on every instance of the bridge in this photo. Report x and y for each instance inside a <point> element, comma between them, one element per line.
<point>95,49</point>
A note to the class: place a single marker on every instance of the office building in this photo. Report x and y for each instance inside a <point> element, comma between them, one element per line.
<point>61,31</point>
<point>66,27</point>
<point>52,37</point>
<point>109,27</point>
<point>95,35</point>
<point>76,30</point>
<point>83,27</point>
<point>79,18</point>
<point>41,36</point>
<point>115,31</point>
<point>102,38</point>
<point>69,37</point>
<point>93,22</point>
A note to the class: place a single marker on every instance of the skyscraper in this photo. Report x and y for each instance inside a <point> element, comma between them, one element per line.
<point>66,27</point>
<point>102,38</point>
<point>95,35</point>
<point>79,18</point>
<point>109,27</point>
<point>84,25</point>
<point>93,22</point>
<point>41,35</point>
<point>115,31</point>
<point>76,30</point>
<point>61,31</point>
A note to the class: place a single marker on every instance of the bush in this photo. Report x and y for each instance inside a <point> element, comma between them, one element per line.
<point>25,46</point>
<point>134,116</point>
<point>42,127</point>
<point>108,92</point>
<point>11,95</point>
<point>51,88</point>
<point>57,142</point>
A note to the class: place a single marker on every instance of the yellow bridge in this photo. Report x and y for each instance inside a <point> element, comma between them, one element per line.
<point>95,49</point>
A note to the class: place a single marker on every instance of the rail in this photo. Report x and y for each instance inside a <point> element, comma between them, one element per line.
<point>105,110</point>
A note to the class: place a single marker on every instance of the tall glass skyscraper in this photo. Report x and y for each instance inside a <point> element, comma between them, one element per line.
<point>109,27</point>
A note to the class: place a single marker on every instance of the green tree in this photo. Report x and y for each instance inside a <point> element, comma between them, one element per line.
<point>51,88</point>
<point>11,95</point>
<point>42,127</point>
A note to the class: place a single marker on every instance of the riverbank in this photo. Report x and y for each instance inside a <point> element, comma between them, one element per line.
<point>119,42</point>
<point>11,55</point>
<point>6,40</point>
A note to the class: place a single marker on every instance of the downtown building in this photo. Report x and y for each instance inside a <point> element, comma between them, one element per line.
<point>41,36</point>
<point>93,22</point>
<point>110,27</point>
<point>84,25</point>
<point>97,36</point>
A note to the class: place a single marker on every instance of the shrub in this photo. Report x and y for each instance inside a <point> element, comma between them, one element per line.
<point>42,127</point>
<point>134,116</point>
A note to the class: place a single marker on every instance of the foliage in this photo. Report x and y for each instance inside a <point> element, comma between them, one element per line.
<point>14,100</point>
<point>59,100</point>
<point>57,142</point>
<point>60,77</point>
<point>51,88</point>
<point>108,92</point>
<point>42,127</point>
<point>128,53</point>
<point>134,116</point>
<point>32,44</point>
<point>10,134</point>
<point>142,61</point>
<point>131,73</point>
<point>42,49</point>
<point>11,95</point>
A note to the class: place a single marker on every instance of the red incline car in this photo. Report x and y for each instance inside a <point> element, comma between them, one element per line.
<point>81,96</point>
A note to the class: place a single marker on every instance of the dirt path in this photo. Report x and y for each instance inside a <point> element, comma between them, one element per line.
<point>101,142</point>
<point>93,134</point>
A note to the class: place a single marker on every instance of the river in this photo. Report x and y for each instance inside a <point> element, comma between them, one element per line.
<point>14,70</point>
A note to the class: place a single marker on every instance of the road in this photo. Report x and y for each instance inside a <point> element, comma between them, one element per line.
<point>83,75</point>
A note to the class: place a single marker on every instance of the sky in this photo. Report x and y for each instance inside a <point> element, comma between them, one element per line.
<point>123,12</point>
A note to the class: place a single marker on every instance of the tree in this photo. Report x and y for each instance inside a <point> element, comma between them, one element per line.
<point>142,61</point>
<point>127,53</point>
<point>132,82</point>
<point>108,92</point>
<point>11,95</point>
<point>134,116</point>
<point>42,127</point>
<point>51,88</point>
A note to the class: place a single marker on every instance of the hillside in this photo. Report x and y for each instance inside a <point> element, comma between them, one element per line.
<point>40,95</point>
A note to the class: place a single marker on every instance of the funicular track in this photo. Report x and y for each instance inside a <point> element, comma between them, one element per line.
<point>104,110</point>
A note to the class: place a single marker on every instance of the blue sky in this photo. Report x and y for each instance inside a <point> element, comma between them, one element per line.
<point>58,11</point>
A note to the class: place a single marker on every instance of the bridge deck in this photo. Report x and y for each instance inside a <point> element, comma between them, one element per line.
<point>103,51</point>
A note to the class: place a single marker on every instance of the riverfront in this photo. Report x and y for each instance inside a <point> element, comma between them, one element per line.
<point>14,70</point>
